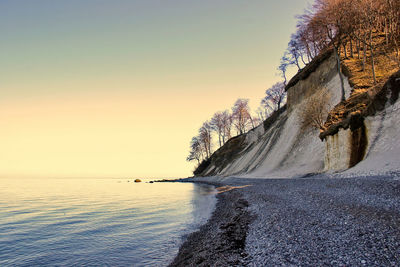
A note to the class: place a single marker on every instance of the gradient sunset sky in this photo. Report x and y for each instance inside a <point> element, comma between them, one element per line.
<point>117,88</point>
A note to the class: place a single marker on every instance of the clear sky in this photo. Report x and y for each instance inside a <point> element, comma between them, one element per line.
<point>117,88</point>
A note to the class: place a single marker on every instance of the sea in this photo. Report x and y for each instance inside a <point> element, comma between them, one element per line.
<point>98,222</point>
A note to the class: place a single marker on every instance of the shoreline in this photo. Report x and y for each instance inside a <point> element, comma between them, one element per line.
<point>221,241</point>
<point>301,221</point>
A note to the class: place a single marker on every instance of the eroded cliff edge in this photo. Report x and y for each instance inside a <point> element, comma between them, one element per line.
<point>280,147</point>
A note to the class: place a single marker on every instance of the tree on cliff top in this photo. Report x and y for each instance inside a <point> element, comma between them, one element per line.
<point>274,98</point>
<point>196,150</point>
<point>241,115</point>
<point>228,121</point>
<point>201,145</point>
<point>205,138</point>
<point>335,23</point>
<point>332,17</point>
<point>221,124</point>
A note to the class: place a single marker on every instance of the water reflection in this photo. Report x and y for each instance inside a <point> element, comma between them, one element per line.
<point>203,202</point>
<point>97,221</point>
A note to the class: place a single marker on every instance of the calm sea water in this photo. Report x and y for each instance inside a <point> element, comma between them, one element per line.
<point>97,222</point>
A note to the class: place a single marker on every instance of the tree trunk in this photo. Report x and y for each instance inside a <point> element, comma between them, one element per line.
<point>228,132</point>
<point>345,50</point>
<point>284,78</point>
<point>302,59</point>
<point>297,63</point>
<point>343,97</point>
<point>315,50</point>
<point>364,55</point>
<point>351,49</point>
<point>372,56</point>
<point>209,146</point>
<point>397,47</point>
<point>242,126</point>
<point>358,48</point>
<point>386,32</point>
<point>252,122</point>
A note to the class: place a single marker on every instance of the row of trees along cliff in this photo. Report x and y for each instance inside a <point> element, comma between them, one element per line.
<point>225,124</point>
<point>350,28</point>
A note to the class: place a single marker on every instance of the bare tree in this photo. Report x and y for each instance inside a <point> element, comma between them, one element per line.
<point>206,138</point>
<point>261,113</point>
<point>201,145</point>
<point>241,115</point>
<point>294,51</point>
<point>339,23</point>
<point>228,121</point>
<point>311,35</point>
<point>218,125</point>
<point>369,13</point>
<point>283,66</point>
<point>275,96</point>
<point>196,150</point>
<point>314,112</point>
<point>255,121</point>
<point>332,16</point>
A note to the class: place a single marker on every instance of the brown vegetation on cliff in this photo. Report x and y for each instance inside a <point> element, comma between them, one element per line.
<point>351,112</point>
<point>367,96</point>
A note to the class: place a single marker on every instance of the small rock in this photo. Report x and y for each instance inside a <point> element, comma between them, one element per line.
<point>138,181</point>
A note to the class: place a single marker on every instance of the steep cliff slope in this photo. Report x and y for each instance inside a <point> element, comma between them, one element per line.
<point>281,148</point>
<point>369,132</point>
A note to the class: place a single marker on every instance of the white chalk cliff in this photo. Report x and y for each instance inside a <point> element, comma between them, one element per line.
<point>279,148</point>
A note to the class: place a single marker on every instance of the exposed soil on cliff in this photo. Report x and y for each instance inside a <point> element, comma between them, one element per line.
<point>367,97</point>
<point>352,111</point>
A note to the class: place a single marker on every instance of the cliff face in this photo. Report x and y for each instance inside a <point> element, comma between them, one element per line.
<point>367,141</point>
<point>281,148</point>
<point>345,149</point>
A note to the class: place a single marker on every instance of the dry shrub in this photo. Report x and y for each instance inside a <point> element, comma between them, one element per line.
<point>314,111</point>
